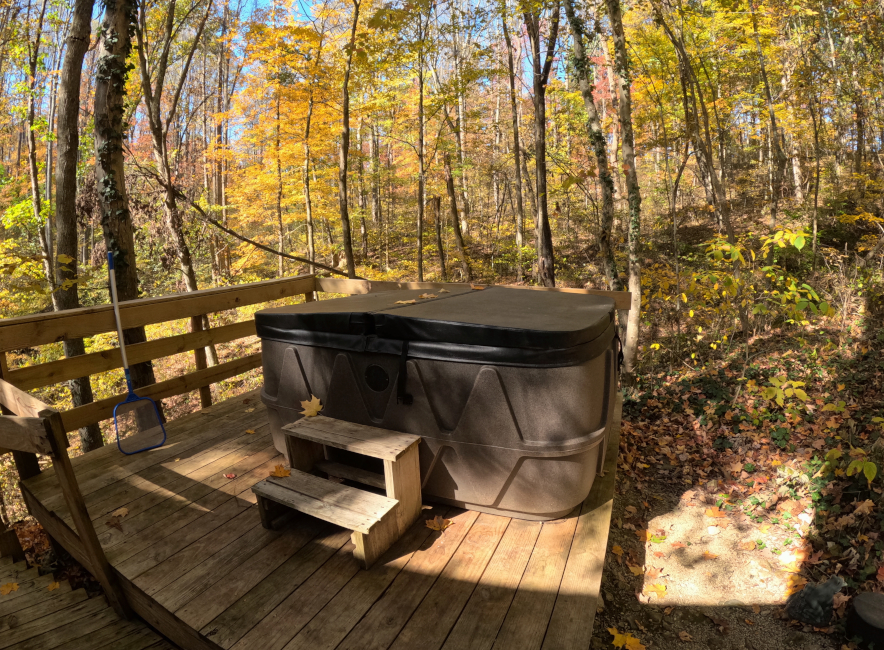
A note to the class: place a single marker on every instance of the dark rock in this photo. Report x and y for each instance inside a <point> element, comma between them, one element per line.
<point>813,605</point>
<point>866,619</point>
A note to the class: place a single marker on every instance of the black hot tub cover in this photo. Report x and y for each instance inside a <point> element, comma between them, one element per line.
<point>495,325</point>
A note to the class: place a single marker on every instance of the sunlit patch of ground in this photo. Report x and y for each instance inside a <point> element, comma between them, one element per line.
<point>707,556</point>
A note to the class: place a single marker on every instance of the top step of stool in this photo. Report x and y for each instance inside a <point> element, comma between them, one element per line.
<point>358,438</point>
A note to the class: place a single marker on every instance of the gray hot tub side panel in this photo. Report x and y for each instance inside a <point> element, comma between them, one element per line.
<point>493,435</point>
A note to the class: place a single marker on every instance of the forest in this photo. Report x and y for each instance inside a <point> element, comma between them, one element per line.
<point>719,159</point>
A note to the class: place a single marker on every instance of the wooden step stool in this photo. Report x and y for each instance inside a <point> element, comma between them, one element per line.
<point>376,521</point>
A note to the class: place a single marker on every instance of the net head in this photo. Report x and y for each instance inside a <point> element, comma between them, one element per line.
<point>138,425</point>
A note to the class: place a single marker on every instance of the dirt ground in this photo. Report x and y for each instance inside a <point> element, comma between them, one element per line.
<point>723,591</point>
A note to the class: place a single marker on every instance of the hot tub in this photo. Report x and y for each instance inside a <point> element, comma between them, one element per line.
<point>511,390</point>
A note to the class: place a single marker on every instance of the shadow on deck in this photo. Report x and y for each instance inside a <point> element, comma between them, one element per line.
<point>194,561</point>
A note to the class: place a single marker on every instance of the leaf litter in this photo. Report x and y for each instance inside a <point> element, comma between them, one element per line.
<point>740,501</point>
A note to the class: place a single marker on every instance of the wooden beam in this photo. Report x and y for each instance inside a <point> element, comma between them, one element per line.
<point>622,299</point>
<point>85,365</point>
<point>40,329</point>
<point>64,472</point>
<point>19,402</point>
<point>103,409</point>
<point>24,434</point>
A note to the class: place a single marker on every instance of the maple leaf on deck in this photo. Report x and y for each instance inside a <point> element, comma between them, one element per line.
<point>120,512</point>
<point>405,302</point>
<point>312,406</point>
<point>427,296</point>
<point>280,472</point>
<point>476,287</point>
<point>865,507</point>
<point>635,570</point>
<point>658,589</point>
<point>115,522</point>
<point>250,431</point>
<point>53,586</point>
<point>714,512</point>
<point>438,523</point>
<point>616,550</point>
<point>8,588</point>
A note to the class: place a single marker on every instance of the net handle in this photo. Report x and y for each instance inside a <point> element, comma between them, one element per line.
<point>113,288</point>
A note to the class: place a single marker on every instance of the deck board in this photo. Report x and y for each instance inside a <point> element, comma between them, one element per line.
<point>201,568</point>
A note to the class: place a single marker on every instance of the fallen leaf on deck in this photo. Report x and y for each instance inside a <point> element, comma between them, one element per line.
<point>684,636</point>
<point>280,472</point>
<point>230,476</point>
<point>660,590</point>
<point>756,609</point>
<point>250,431</point>
<point>426,507</point>
<point>864,508</point>
<point>444,291</point>
<point>438,523</point>
<point>476,287</point>
<point>653,573</point>
<point>406,302</point>
<point>120,512</point>
<point>635,570</point>
<point>643,535</point>
<point>426,296</point>
<point>709,556</point>
<point>659,554</point>
<point>249,410</point>
<point>53,586</point>
<point>748,622</point>
<point>625,640</point>
<point>747,546</point>
<point>616,550</point>
<point>714,512</point>
<point>8,588</point>
<point>668,611</point>
<point>678,545</point>
<point>312,406</point>
<point>114,522</point>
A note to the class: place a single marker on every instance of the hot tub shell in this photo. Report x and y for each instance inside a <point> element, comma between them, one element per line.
<point>512,391</point>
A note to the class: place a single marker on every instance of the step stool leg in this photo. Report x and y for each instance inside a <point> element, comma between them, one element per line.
<point>403,480</point>
<point>267,510</point>
<point>369,547</point>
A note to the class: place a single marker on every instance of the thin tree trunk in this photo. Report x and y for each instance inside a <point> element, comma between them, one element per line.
<point>279,225</point>
<point>583,68</point>
<point>458,236</point>
<point>542,67</point>
<point>308,204</point>
<point>630,346</point>
<point>344,153</point>
<point>437,217</point>
<point>421,183</point>
<point>517,150</point>
<point>67,279</point>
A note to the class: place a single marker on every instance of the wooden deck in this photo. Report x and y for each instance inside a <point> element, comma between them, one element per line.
<point>42,614</point>
<point>195,562</point>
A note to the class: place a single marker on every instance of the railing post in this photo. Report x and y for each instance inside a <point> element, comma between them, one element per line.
<point>64,471</point>
<point>199,357</point>
<point>26,463</point>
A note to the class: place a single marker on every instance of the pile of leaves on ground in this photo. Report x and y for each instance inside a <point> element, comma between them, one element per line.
<point>41,553</point>
<point>789,448</point>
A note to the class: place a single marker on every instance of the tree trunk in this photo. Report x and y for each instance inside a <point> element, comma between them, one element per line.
<point>517,150</point>
<point>279,225</point>
<point>627,142</point>
<point>421,182</point>
<point>596,135</point>
<point>545,256</point>
<point>343,155</point>
<point>437,217</point>
<point>115,45</point>
<point>308,204</point>
<point>66,296</point>
<point>458,235</point>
